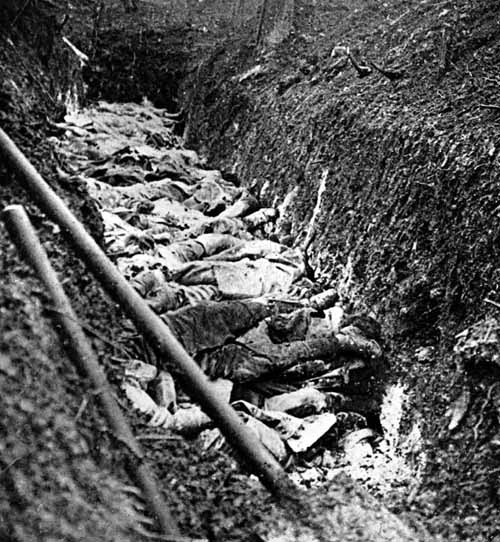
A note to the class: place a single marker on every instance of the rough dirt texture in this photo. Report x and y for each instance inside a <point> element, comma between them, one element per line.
<point>62,470</point>
<point>411,196</point>
<point>52,487</point>
<point>56,469</point>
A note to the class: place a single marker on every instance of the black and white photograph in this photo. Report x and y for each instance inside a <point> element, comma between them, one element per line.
<point>249,271</point>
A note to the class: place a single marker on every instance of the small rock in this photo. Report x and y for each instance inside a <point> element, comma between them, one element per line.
<point>479,344</point>
<point>424,354</point>
<point>458,409</point>
<point>27,406</point>
<point>6,365</point>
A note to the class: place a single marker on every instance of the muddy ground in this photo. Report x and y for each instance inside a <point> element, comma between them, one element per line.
<point>411,201</point>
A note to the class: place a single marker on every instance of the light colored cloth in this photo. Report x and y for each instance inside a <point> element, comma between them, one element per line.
<point>241,279</point>
<point>177,254</point>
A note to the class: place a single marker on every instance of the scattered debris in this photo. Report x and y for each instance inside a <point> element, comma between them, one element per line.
<point>82,57</point>
<point>425,354</point>
<point>195,246</point>
<point>302,401</point>
<point>479,344</point>
<point>361,69</point>
<point>458,410</point>
<point>252,73</point>
<point>360,436</point>
<point>6,365</point>
<point>391,74</point>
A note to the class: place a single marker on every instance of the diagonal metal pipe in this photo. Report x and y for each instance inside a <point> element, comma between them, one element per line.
<point>196,383</point>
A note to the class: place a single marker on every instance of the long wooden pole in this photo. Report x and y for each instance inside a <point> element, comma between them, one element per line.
<point>263,11</point>
<point>26,239</point>
<point>196,383</point>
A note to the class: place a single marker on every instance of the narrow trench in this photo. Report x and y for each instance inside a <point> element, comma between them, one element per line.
<point>302,368</point>
<point>393,395</point>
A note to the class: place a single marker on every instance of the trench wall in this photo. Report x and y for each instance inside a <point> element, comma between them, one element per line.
<point>408,219</point>
<point>410,193</point>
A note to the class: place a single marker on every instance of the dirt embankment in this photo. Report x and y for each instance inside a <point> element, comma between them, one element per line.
<point>61,470</point>
<point>409,162</point>
<point>56,457</point>
<point>409,200</point>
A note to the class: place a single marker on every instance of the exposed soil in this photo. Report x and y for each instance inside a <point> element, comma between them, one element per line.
<point>410,200</point>
<point>52,486</point>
